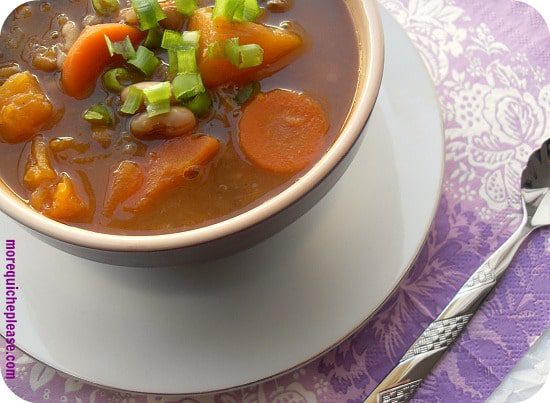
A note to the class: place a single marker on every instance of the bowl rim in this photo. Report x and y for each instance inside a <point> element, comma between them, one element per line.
<point>372,55</point>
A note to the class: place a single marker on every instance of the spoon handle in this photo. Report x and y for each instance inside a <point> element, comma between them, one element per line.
<point>402,382</point>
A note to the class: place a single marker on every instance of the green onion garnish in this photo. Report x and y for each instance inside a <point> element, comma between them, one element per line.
<point>112,79</point>
<point>238,10</point>
<point>149,13</point>
<point>231,51</point>
<point>105,7</point>
<point>187,86</point>
<point>157,98</point>
<point>171,40</point>
<point>125,48</point>
<point>172,62</point>
<point>153,39</point>
<point>186,7</point>
<point>145,61</point>
<point>191,39</point>
<point>133,101</point>
<point>247,92</point>
<point>99,114</point>
<point>243,57</point>
<point>250,56</point>
<point>187,61</point>
<point>200,105</point>
<point>248,11</point>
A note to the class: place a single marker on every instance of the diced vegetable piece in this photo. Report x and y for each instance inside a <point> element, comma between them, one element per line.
<point>172,40</point>
<point>24,108</point>
<point>99,114</point>
<point>60,144</point>
<point>59,201</point>
<point>168,164</point>
<point>105,7</point>
<point>133,102</point>
<point>149,13</point>
<point>247,92</point>
<point>191,39</point>
<point>112,79</point>
<point>124,48</point>
<point>89,56</point>
<point>186,7</point>
<point>187,61</point>
<point>275,42</point>
<point>187,86</point>
<point>157,98</point>
<point>39,168</point>
<point>200,105</point>
<point>153,39</point>
<point>145,61</point>
<point>238,10</point>
<point>289,137</point>
<point>125,181</point>
<point>174,19</point>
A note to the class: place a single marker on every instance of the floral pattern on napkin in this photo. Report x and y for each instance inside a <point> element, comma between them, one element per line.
<point>489,62</point>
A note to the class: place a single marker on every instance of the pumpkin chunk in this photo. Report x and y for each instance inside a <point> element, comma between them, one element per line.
<point>39,168</point>
<point>275,42</point>
<point>59,201</point>
<point>24,108</point>
<point>125,181</point>
<point>168,164</point>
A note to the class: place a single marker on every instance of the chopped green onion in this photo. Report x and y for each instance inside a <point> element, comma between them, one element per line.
<point>172,40</point>
<point>125,48</point>
<point>149,13</point>
<point>191,39</point>
<point>145,61</point>
<point>172,61</point>
<point>105,7</point>
<point>226,8</point>
<point>153,39</point>
<point>248,11</point>
<point>112,79</point>
<point>238,10</point>
<point>99,114</point>
<point>231,51</point>
<point>200,105</point>
<point>187,86</point>
<point>157,98</point>
<point>133,101</point>
<point>247,92</point>
<point>186,7</point>
<point>251,55</point>
<point>215,50</point>
<point>187,61</point>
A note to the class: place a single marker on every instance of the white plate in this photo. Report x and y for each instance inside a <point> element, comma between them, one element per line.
<point>264,311</point>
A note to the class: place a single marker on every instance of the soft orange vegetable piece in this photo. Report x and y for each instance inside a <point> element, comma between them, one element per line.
<point>89,56</point>
<point>126,180</point>
<point>283,131</point>
<point>24,108</point>
<point>168,165</point>
<point>276,43</point>
<point>39,168</point>
<point>59,201</point>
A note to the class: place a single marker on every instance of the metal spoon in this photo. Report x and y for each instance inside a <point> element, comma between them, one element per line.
<point>402,382</point>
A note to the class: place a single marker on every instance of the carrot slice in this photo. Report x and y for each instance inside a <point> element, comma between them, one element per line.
<point>125,181</point>
<point>89,56</point>
<point>59,201</point>
<point>276,43</point>
<point>168,164</point>
<point>283,131</point>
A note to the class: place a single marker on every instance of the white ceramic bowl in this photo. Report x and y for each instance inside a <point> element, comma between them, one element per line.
<point>250,227</point>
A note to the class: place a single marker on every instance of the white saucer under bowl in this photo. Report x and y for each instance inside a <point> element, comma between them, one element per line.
<point>262,312</point>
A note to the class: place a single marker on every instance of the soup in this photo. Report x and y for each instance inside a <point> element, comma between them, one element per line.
<point>157,117</point>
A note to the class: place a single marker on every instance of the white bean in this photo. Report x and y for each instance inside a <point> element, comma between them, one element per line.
<point>178,122</point>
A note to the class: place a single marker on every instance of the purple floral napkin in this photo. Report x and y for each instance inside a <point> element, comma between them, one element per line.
<point>489,62</point>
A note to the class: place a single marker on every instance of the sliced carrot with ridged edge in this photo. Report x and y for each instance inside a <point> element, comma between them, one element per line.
<point>89,56</point>
<point>276,43</point>
<point>283,131</point>
<point>168,164</point>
